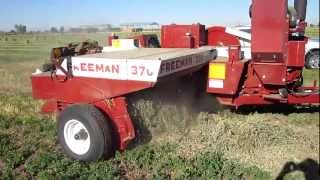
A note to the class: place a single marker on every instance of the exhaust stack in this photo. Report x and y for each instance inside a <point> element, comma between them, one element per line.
<point>301,8</point>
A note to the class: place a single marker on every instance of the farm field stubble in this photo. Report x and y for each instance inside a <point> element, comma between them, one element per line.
<point>175,139</point>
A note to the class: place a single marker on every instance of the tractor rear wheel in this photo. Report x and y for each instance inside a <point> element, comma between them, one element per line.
<point>84,133</point>
<point>312,60</point>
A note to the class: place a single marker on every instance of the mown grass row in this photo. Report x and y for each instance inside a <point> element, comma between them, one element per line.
<point>28,148</point>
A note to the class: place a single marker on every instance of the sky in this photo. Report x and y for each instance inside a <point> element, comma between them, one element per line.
<point>43,14</point>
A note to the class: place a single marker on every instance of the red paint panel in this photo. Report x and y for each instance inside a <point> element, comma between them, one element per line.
<point>142,39</point>
<point>217,36</point>
<point>310,99</point>
<point>296,53</point>
<point>225,100</point>
<point>251,100</point>
<point>116,109</point>
<point>174,36</point>
<point>83,90</point>
<point>231,83</point>
<point>269,26</point>
<point>271,74</point>
<point>244,100</point>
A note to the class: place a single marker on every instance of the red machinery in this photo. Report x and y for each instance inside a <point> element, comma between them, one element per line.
<point>89,91</point>
<point>217,36</point>
<point>143,40</point>
<point>147,41</point>
<point>183,36</point>
<point>274,75</point>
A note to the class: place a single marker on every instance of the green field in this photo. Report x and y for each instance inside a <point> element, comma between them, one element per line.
<point>174,141</point>
<point>313,32</point>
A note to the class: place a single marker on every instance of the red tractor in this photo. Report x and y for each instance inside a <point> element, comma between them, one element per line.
<point>89,91</point>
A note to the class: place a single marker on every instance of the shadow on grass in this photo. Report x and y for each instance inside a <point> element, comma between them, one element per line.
<point>284,109</point>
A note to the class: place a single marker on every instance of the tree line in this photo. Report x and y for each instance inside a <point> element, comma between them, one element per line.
<point>20,28</point>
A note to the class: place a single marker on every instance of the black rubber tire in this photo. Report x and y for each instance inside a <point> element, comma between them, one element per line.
<point>97,126</point>
<point>315,55</point>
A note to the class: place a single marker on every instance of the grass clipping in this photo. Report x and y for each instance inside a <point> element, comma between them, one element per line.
<point>170,107</point>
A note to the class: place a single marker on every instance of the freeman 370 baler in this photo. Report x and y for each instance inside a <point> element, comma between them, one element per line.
<point>88,91</point>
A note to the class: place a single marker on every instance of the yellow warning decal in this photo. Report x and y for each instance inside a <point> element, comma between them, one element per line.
<point>116,43</point>
<point>217,71</point>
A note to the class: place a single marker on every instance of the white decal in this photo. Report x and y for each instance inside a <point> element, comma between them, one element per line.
<point>120,69</point>
<point>145,70</point>
<point>185,62</point>
<point>99,68</point>
<point>214,83</point>
<point>134,69</point>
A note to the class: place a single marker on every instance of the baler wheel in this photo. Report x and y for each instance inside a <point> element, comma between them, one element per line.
<point>84,133</point>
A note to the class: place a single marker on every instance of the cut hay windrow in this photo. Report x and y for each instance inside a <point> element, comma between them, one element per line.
<point>169,108</point>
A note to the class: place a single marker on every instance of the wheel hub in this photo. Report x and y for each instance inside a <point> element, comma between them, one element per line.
<point>77,137</point>
<point>81,135</point>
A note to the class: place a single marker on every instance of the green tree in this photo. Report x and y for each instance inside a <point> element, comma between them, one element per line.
<point>61,30</point>
<point>20,28</point>
<point>54,30</point>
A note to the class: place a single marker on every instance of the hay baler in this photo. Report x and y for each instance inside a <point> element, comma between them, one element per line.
<point>89,91</point>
